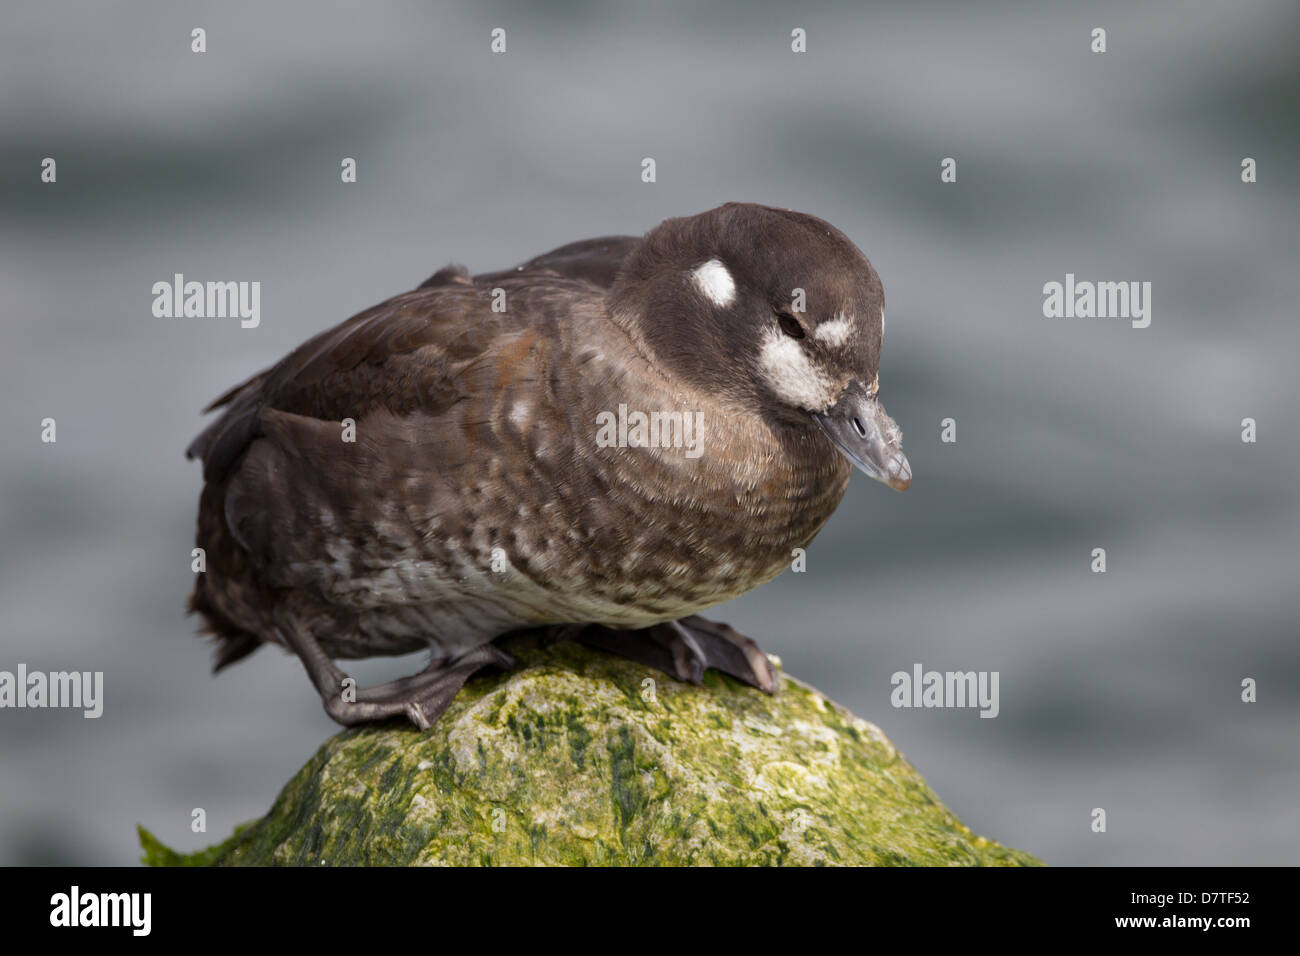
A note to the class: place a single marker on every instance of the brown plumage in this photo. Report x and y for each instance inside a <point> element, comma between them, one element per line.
<point>477,498</point>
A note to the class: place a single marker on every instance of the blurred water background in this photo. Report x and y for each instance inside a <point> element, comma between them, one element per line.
<point>1118,690</point>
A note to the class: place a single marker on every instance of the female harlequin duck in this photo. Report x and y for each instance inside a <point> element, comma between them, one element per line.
<point>602,442</point>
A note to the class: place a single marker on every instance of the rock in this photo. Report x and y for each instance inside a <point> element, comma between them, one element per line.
<point>582,758</point>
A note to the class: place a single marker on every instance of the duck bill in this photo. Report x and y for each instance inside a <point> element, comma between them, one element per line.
<point>866,435</point>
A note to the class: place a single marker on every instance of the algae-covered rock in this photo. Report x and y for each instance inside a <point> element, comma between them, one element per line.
<point>579,757</point>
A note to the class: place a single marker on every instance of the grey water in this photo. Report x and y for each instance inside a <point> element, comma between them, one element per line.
<point>1119,690</point>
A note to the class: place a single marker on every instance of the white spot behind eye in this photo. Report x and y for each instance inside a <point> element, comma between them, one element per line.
<point>715,282</point>
<point>835,332</point>
<point>792,375</point>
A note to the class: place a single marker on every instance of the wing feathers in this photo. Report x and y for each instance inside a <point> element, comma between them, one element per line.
<point>422,340</point>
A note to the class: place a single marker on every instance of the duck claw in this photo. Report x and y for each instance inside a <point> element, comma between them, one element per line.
<point>682,649</point>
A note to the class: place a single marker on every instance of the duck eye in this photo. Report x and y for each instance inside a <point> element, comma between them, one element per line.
<point>790,325</point>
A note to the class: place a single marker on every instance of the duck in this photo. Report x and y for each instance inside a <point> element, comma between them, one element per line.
<point>444,469</point>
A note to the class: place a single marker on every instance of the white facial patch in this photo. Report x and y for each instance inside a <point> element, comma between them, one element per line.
<point>715,282</point>
<point>792,375</point>
<point>835,332</point>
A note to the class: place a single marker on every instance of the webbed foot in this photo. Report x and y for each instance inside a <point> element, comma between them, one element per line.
<point>420,698</point>
<point>682,649</point>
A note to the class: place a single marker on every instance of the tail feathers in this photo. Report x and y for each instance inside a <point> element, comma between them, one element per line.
<point>233,644</point>
<point>231,650</point>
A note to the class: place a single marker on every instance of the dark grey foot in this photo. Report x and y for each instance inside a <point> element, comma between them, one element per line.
<point>420,698</point>
<point>682,649</point>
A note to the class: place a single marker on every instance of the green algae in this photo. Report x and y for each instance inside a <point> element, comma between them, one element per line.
<point>575,760</point>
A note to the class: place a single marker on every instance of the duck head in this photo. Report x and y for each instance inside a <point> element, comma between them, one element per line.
<point>776,309</point>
